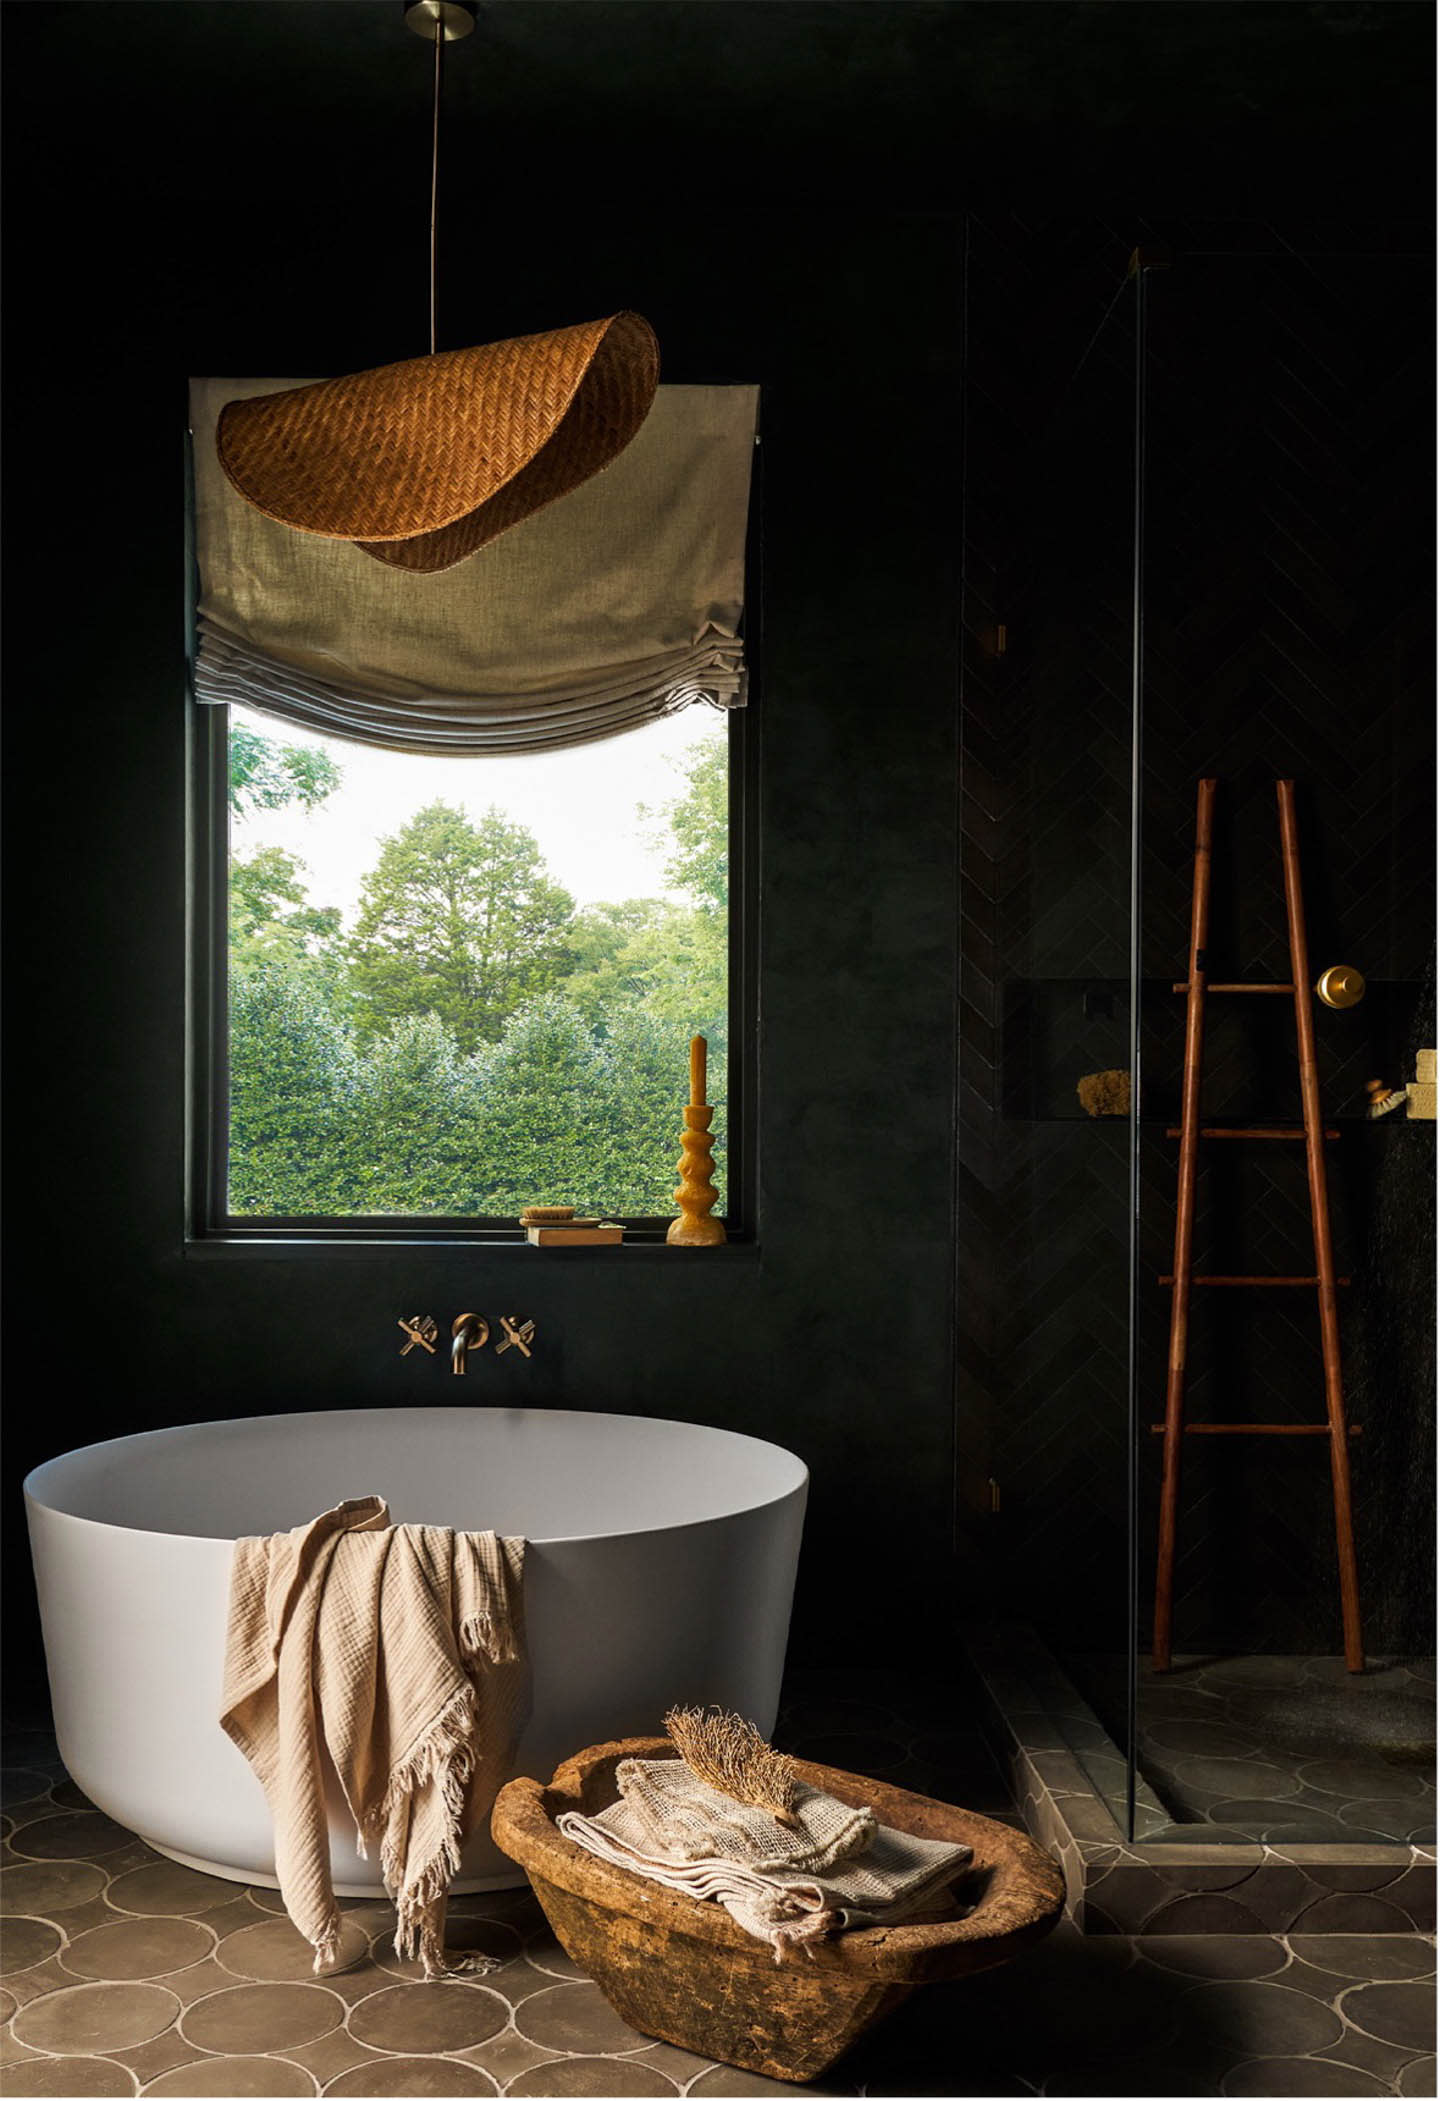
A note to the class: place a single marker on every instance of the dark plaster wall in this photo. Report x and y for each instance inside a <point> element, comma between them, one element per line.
<point>832,1334</point>
<point>785,189</point>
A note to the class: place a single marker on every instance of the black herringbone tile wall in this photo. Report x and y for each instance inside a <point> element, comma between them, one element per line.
<point>1289,631</point>
<point>1045,877</point>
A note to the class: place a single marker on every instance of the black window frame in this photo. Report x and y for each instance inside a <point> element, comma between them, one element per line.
<point>208,1222</point>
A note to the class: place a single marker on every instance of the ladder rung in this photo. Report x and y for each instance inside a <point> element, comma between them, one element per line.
<point>1272,1283</point>
<point>1295,1131</point>
<point>1183,985</point>
<point>1257,1429</point>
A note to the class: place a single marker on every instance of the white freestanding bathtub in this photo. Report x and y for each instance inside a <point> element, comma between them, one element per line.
<point>660,1568</point>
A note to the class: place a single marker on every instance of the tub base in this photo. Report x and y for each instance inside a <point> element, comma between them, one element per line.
<point>462,1886</point>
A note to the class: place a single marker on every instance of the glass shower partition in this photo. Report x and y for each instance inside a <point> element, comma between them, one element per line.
<point>1283,632</point>
<point>1199,548</point>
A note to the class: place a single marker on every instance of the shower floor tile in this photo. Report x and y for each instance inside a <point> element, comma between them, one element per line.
<point>123,1975</point>
<point>1287,1749</point>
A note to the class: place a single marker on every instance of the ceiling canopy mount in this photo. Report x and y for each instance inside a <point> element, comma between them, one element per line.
<point>451,19</point>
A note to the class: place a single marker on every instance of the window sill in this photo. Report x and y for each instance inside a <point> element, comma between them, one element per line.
<point>312,1246</point>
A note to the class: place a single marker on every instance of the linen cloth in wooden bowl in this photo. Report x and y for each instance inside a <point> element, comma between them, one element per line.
<point>685,1972</point>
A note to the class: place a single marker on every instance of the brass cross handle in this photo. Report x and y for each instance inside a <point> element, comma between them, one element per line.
<point>521,1335</point>
<point>421,1329</point>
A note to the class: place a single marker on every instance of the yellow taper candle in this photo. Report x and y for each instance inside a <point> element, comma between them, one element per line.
<point>696,1195</point>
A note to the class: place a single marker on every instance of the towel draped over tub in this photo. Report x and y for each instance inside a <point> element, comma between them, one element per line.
<point>399,1650</point>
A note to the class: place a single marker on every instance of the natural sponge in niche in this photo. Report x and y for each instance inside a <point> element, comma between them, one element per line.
<point>1104,1093</point>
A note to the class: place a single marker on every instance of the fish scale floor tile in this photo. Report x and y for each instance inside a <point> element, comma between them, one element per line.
<point>123,1974</point>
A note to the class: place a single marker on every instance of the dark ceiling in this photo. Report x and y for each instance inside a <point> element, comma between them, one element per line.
<point>649,106</point>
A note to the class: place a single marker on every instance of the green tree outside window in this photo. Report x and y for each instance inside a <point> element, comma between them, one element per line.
<point>474,1043</point>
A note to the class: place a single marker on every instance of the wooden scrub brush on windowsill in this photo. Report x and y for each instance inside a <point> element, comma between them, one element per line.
<point>555,1225</point>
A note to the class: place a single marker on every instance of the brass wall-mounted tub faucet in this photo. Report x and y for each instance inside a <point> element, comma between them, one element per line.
<point>470,1333</point>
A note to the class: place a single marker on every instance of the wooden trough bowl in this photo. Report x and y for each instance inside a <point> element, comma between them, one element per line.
<point>683,1971</point>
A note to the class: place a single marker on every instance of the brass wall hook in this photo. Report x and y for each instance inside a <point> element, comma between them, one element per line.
<point>1340,986</point>
<point>470,1333</point>
<point>422,1330</point>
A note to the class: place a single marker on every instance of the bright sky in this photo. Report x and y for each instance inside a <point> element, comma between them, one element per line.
<point>581,805</point>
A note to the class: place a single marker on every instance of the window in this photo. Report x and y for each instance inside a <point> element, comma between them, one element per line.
<point>444,981</point>
<point>454,986</point>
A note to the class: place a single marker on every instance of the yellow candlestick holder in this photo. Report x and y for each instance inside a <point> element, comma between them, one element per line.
<point>697,1194</point>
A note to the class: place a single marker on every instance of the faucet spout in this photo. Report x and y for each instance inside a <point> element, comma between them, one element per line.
<point>470,1332</point>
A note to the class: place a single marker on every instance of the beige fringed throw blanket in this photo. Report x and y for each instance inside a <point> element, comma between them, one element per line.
<point>836,1867</point>
<point>400,1651</point>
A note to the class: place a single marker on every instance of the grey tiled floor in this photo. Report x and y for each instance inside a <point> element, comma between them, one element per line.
<point>124,1974</point>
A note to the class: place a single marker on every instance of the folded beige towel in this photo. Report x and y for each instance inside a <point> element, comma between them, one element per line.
<point>674,1814</point>
<point>838,1868</point>
<point>399,1651</point>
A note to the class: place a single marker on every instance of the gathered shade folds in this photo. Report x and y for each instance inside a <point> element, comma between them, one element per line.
<point>618,603</point>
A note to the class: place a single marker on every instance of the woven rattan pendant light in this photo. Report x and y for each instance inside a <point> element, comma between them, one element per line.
<point>421,463</point>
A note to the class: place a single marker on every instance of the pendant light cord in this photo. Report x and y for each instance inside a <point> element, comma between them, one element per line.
<point>435,165</point>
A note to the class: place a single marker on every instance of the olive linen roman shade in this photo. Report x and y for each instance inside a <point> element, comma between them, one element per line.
<point>619,603</point>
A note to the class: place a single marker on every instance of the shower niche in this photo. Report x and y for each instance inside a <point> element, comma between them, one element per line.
<point>1200,521</point>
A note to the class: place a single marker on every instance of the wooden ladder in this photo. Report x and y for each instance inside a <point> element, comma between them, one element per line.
<point>1191,1131</point>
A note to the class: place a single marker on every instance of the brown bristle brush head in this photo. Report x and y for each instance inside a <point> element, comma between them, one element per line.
<point>733,1757</point>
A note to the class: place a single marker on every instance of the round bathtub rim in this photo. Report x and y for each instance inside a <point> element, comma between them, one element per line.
<point>34,1500</point>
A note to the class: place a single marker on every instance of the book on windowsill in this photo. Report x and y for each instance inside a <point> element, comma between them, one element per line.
<point>576,1232</point>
